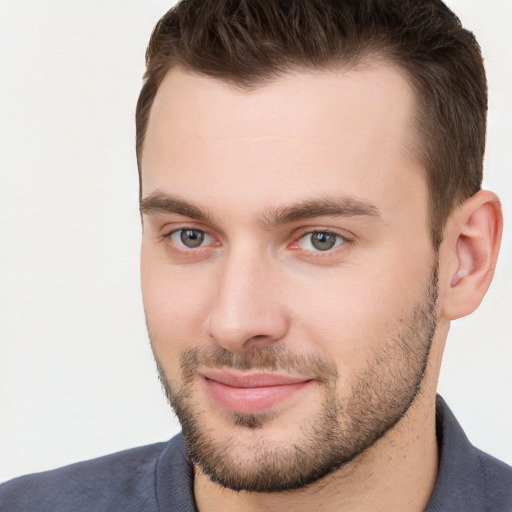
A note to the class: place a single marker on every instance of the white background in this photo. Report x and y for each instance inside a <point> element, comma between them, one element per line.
<point>77,378</point>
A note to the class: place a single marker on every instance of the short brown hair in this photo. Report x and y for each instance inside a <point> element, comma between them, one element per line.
<point>250,42</point>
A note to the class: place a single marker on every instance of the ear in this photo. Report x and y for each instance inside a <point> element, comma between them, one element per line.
<point>471,245</point>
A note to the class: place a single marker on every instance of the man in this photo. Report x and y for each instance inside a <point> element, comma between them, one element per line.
<point>310,177</point>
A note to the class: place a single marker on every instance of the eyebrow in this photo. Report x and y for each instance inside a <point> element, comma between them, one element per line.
<point>325,206</point>
<point>159,202</point>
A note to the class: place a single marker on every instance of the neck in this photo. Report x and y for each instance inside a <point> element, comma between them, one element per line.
<point>397,473</point>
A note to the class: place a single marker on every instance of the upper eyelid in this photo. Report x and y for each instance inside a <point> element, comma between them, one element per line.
<point>348,240</point>
<point>188,228</point>
<point>343,238</point>
<point>333,231</point>
<point>295,237</point>
<point>181,226</point>
<point>178,248</point>
<point>324,231</point>
<point>163,224</point>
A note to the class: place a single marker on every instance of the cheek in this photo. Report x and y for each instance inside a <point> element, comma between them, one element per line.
<point>352,315</point>
<point>175,303</point>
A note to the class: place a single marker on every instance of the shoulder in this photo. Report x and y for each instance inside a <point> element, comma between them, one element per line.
<point>497,478</point>
<point>123,481</point>
<point>468,479</point>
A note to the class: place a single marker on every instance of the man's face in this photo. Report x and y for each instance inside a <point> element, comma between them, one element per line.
<point>288,276</point>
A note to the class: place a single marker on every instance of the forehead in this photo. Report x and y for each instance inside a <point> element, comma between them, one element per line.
<point>351,128</point>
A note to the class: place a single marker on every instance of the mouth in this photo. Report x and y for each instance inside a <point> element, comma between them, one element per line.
<point>251,393</point>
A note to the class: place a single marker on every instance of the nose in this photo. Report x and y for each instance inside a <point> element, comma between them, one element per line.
<point>248,309</point>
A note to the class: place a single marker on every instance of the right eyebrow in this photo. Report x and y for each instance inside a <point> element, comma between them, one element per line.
<point>159,202</point>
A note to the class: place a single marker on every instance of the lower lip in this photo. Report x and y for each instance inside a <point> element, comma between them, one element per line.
<point>251,400</point>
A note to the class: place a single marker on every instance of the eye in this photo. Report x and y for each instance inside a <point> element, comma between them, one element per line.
<point>190,238</point>
<point>320,241</point>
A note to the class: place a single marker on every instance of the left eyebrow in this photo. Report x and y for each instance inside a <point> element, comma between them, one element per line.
<point>329,206</point>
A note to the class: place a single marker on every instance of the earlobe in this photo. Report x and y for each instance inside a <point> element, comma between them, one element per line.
<point>473,236</point>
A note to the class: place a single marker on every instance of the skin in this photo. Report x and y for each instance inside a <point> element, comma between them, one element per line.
<point>241,158</point>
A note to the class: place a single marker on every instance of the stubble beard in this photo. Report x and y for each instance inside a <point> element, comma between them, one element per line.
<point>343,428</point>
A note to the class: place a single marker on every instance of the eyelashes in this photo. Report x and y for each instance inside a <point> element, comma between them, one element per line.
<point>322,241</point>
<point>193,240</point>
<point>190,238</point>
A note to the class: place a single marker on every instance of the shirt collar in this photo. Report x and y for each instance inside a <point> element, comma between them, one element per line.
<point>459,485</point>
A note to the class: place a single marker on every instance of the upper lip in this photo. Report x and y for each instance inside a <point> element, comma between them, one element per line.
<point>251,379</point>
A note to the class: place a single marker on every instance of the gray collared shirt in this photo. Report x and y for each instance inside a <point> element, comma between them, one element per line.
<point>158,478</point>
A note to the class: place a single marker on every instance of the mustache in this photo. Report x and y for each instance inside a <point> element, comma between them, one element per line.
<point>268,358</point>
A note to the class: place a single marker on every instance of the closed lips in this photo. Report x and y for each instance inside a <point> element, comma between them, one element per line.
<point>251,393</point>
